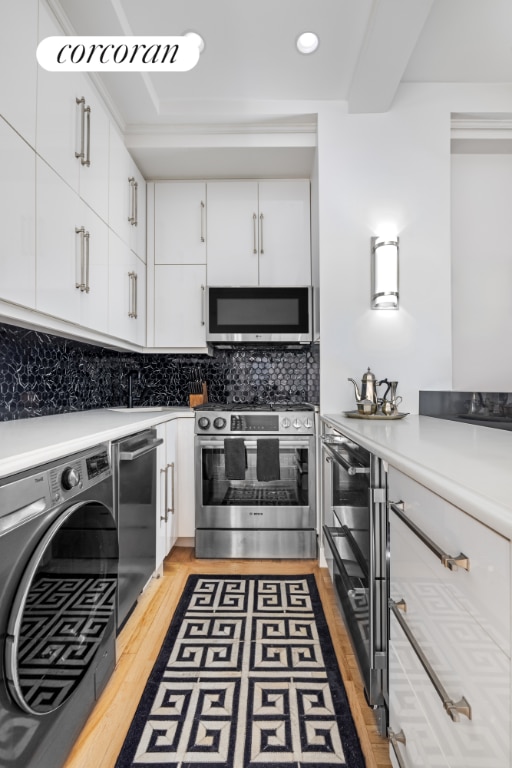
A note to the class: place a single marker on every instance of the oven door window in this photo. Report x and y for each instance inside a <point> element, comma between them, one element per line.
<point>64,604</point>
<point>233,478</point>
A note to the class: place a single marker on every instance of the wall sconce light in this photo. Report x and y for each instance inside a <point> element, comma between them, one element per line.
<point>384,273</point>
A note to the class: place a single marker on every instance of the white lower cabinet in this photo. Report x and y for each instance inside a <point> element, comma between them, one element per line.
<point>167,496</point>
<point>175,485</point>
<point>450,671</point>
<point>186,492</point>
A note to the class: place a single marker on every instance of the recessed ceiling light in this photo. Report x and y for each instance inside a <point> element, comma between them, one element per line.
<point>196,39</point>
<point>307,42</point>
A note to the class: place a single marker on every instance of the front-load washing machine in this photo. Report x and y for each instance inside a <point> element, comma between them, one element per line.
<point>58,582</point>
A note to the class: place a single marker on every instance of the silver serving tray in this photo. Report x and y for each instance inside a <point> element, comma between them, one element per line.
<point>381,416</point>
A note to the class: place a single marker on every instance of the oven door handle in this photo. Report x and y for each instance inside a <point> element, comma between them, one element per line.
<point>342,461</point>
<point>283,442</point>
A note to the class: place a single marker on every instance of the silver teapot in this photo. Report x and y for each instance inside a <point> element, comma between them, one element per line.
<point>366,397</point>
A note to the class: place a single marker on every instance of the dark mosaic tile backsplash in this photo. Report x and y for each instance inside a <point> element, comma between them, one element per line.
<point>42,375</point>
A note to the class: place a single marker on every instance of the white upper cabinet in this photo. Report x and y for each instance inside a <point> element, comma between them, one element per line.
<point>284,233</point>
<point>17,234</point>
<point>232,217</point>
<point>72,255</point>
<point>179,305</point>
<point>180,222</point>
<point>258,233</point>
<point>127,196</point>
<point>72,128</point>
<point>127,292</point>
<point>18,66</point>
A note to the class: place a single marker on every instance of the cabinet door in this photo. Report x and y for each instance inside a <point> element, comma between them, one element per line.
<point>180,223</point>
<point>167,492</point>
<point>179,306</point>
<point>284,233</point>
<point>127,289</point>
<point>127,196</point>
<point>94,171</point>
<point>17,234</point>
<point>58,246</point>
<point>232,223</point>
<point>18,41</point>
<point>94,299</point>
<point>186,492</point>
<point>58,113</point>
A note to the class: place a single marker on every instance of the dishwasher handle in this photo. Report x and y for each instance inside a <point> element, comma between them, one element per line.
<point>132,455</point>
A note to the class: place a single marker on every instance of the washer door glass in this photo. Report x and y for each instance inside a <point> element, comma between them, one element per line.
<point>62,608</point>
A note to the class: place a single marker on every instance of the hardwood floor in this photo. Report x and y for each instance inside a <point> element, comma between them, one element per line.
<point>142,636</point>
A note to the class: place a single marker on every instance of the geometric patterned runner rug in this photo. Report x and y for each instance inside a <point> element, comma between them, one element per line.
<point>247,677</point>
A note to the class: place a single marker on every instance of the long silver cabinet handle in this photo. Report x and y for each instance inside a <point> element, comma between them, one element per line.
<point>80,231</point>
<point>81,154</point>
<point>453,708</point>
<point>395,739</point>
<point>135,296</point>
<point>202,221</point>
<point>449,561</point>
<point>136,203</point>
<point>87,160</point>
<point>255,233</point>
<point>203,302</point>
<point>261,233</point>
<point>131,217</point>
<point>131,298</point>
<point>87,238</point>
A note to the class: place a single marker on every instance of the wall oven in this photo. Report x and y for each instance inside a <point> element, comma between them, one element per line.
<point>255,481</point>
<point>355,540</point>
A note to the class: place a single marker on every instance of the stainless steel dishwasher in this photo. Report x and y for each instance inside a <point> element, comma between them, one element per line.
<point>134,466</point>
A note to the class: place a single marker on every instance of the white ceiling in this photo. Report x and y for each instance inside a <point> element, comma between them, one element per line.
<point>245,109</point>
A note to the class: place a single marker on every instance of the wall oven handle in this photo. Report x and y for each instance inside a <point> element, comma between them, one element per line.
<point>347,583</point>
<point>132,455</point>
<point>453,708</point>
<point>395,739</point>
<point>350,468</point>
<point>449,561</point>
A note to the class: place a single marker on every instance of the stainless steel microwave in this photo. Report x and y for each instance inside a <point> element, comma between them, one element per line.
<point>259,315</point>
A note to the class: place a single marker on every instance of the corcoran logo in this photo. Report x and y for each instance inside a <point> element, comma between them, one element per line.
<point>117,54</point>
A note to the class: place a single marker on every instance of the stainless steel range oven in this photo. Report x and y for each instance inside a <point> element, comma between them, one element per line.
<point>255,481</point>
<point>356,544</point>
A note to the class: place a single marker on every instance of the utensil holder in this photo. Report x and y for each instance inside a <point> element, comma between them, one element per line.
<point>194,400</point>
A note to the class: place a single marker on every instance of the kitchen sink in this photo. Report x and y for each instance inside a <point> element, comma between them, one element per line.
<point>143,408</point>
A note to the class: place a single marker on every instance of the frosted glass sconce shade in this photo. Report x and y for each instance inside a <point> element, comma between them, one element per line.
<point>384,273</point>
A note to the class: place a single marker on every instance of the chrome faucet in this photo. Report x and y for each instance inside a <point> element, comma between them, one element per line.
<point>131,376</point>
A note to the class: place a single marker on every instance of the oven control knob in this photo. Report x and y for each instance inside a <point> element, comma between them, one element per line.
<point>308,423</point>
<point>297,423</point>
<point>286,423</point>
<point>203,422</point>
<point>70,478</point>
<point>219,423</point>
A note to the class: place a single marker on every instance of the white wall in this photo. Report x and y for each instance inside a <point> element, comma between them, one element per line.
<point>482,272</point>
<point>390,169</point>
<point>377,170</point>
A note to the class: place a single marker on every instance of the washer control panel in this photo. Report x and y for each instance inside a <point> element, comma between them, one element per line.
<point>78,472</point>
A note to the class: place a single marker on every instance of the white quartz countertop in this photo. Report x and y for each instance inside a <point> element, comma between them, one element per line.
<point>469,465</point>
<point>26,443</point>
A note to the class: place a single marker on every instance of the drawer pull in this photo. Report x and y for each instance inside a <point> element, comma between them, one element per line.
<point>395,739</point>
<point>453,708</point>
<point>449,561</point>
